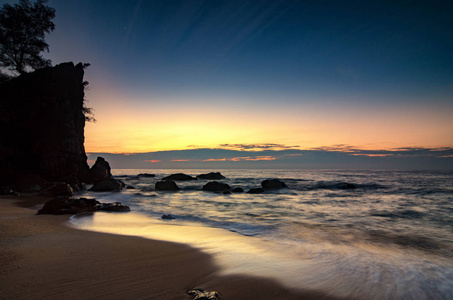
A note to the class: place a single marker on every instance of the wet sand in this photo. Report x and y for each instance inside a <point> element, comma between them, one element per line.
<point>42,258</point>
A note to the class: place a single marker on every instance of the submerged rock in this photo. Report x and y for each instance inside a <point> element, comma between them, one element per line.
<point>211,176</point>
<point>179,176</point>
<point>256,191</point>
<point>345,186</point>
<point>336,186</point>
<point>273,184</point>
<point>167,217</point>
<point>146,175</point>
<point>166,185</point>
<point>215,186</point>
<point>238,190</point>
<point>200,294</point>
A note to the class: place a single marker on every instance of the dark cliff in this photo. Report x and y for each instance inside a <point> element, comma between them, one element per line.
<point>42,127</point>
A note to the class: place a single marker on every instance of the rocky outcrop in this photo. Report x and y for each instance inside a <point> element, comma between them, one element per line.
<point>215,186</point>
<point>66,205</point>
<point>100,171</point>
<point>211,176</point>
<point>179,177</point>
<point>42,127</point>
<point>166,185</point>
<point>273,184</point>
<point>102,178</point>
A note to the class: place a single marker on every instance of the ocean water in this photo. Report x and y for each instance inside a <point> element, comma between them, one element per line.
<point>389,238</point>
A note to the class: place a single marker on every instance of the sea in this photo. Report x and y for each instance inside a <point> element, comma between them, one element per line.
<point>389,237</point>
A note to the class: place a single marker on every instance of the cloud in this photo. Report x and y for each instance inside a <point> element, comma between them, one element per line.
<point>256,147</point>
<point>330,157</point>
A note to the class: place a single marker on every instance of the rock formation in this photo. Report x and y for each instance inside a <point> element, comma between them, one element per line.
<point>66,205</point>
<point>42,128</point>
<point>273,184</point>
<point>179,176</point>
<point>211,176</point>
<point>166,185</point>
<point>215,186</point>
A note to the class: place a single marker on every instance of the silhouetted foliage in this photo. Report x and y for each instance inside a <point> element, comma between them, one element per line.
<point>4,77</point>
<point>22,30</point>
<point>87,111</point>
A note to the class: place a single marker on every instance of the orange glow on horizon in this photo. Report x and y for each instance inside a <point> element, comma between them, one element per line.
<point>156,126</point>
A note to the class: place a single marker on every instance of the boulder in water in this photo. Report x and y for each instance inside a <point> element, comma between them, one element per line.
<point>215,186</point>
<point>211,176</point>
<point>273,184</point>
<point>146,175</point>
<point>167,217</point>
<point>100,171</point>
<point>179,176</point>
<point>238,190</point>
<point>166,185</point>
<point>256,191</point>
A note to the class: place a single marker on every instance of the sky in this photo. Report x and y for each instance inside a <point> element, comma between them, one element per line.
<point>171,76</point>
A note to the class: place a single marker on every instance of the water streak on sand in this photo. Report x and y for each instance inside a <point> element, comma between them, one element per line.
<point>391,237</point>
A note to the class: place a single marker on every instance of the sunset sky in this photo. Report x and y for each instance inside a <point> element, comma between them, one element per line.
<point>177,75</point>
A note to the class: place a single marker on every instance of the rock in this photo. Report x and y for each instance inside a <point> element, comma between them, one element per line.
<point>345,186</point>
<point>179,176</point>
<point>168,217</point>
<point>65,205</point>
<point>42,127</point>
<point>166,185</point>
<point>273,184</point>
<point>200,294</point>
<point>114,207</point>
<point>211,176</point>
<point>215,186</point>
<point>226,192</point>
<point>256,191</point>
<point>100,171</point>
<point>130,187</point>
<point>109,185</point>
<point>146,175</point>
<point>58,189</point>
<point>238,190</point>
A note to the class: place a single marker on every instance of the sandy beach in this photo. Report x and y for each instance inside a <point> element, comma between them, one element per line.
<point>41,257</point>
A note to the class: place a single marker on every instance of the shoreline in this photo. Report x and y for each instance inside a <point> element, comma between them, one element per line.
<point>41,257</point>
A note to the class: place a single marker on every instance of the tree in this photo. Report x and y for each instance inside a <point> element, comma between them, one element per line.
<point>22,30</point>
